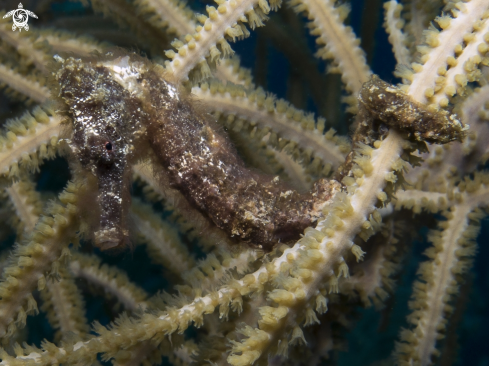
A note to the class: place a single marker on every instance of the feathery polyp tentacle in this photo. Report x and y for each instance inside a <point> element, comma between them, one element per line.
<point>429,83</point>
<point>453,247</point>
<point>225,21</point>
<point>265,113</point>
<point>34,259</point>
<point>29,140</point>
<point>393,25</point>
<point>340,43</point>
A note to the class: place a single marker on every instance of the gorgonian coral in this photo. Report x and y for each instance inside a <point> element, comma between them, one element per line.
<point>325,252</point>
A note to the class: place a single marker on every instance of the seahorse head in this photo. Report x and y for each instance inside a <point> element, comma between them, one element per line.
<point>106,114</point>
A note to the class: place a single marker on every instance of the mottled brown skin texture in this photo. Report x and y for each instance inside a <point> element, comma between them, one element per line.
<point>205,167</point>
<point>105,123</point>
<point>387,103</point>
<point>383,106</point>
<point>198,159</point>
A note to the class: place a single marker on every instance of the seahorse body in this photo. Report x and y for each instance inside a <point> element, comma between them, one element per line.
<point>127,102</point>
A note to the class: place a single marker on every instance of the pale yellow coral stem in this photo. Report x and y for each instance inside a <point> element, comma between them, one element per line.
<point>30,88</point>
<point>418,200</point>
<point>294,170</point>
<point>43,133</point>
<point>319,263</point>
<point>111,279</point>
<point>393,25</point>
<point>194,52</point>
<point>242,107</point>
<point>169,13</point>
<point>424,81</point>
<point>69,43</point>
<point>340,43</point>
<point>452,248</point>
<point>47,243</point>
<point>164,244</point>
<point>23,43</point>
<point>26,210</point>
<point>64,305</point>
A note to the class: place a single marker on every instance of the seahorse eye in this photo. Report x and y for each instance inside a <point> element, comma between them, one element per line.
<point>108,146</point>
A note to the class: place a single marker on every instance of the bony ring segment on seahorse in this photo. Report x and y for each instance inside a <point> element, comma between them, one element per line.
<point>122,106</point>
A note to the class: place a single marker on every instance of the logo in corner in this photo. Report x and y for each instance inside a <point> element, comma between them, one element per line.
<point>20,17</point>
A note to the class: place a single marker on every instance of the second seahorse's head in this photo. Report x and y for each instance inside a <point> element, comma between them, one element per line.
<point>106,113</point>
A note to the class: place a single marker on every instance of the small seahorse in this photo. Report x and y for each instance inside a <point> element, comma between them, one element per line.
<point>122,106</point>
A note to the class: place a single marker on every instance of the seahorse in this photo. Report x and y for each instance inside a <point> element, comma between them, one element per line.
<point>124,108</point>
